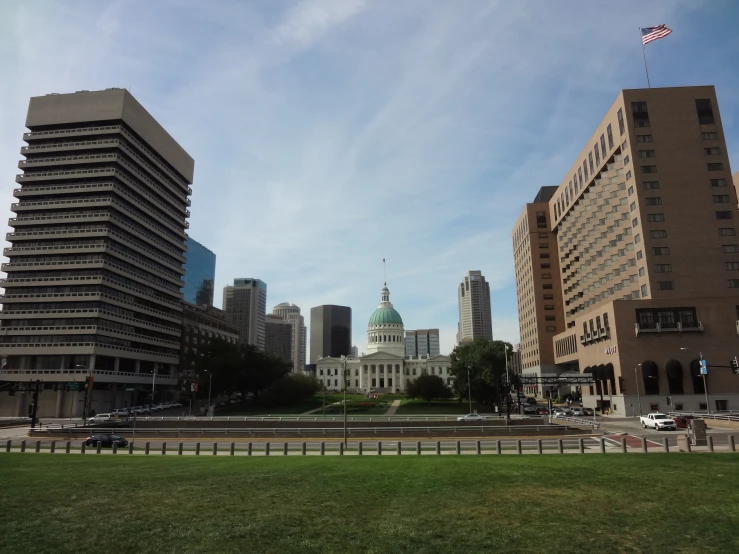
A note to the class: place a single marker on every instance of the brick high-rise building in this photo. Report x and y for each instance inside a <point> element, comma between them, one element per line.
<point>94,274</point>
<point>646,228</point>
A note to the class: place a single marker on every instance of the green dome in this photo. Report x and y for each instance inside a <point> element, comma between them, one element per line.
<point>385,316</point>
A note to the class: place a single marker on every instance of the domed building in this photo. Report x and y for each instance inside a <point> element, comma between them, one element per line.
<point>385,368</point>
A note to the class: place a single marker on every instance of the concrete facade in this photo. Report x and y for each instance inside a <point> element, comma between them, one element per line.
<point>475,317</point>
<point>278,338</point>
<point>422,343</point>
<point>245,304</point>
<point>291,313</point>
<point>95,263</point>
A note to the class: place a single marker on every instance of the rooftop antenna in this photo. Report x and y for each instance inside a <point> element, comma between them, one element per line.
<point>384,270</point>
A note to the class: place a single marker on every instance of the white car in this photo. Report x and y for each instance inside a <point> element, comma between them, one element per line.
<point>471,417</point>
<point>101,418</point>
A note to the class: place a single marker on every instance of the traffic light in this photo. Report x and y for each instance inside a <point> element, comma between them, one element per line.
<point>735,366</point>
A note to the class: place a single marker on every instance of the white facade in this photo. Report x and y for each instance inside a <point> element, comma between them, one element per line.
<point>291,313</point>
<point>385,368</point>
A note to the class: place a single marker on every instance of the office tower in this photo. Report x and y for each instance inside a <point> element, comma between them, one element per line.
<point>245,304</point>
<point>278,337</point>
<point>475,318</point>
<point>200,274</point>
<point>330,332</point>
<point>514,360</point>
<point>291,313</point>
<point>422,343</point>
<point>646,228</point>
<point>94,275</point>
<point>354,352</point>
<point>200,326</point>
<point>538,290</point>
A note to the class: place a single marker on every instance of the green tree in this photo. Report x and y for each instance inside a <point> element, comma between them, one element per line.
<point>291,389</point>
<point>428,387</point>
<point>485,363</point>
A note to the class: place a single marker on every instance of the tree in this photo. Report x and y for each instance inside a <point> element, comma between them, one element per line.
<point>485,362</point>
<point>291,389</point>
<point>428,387</point>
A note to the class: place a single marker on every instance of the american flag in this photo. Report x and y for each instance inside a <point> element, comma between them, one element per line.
<point>649,34</point>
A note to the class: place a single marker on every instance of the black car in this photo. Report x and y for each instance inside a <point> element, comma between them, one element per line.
<point>106,441</point>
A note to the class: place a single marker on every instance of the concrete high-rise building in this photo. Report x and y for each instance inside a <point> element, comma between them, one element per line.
<point>422,343</point>
<point>330,332</point>
<point>200,274</point>
<point>354,352</point>
<point>646,240</point>
<point>245,304</point>
<point>94,275</point>
<point>278,337</point>
<point>475,318</point>
<point>291,313</point>
<point>538,290</point>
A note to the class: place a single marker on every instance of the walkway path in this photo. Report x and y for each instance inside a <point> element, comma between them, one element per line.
<point>321,408</point>
<point>393,408</point>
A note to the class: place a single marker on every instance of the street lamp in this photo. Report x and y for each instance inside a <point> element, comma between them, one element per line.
<point>88,394</point>
<point>508,385</point>
<point>153,382</point>
<point>210,387</point>
<point>469,387</point>
<point>703,374</point>
<point>343,361</point>
<point>636,379</point>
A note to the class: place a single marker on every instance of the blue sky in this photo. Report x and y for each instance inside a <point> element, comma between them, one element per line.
<point>330,134</point>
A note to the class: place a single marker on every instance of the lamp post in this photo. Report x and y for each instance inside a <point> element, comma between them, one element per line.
<point>87,390</point>
<point>508,385</point>
<point>703,374</point>
<point>153,383</point>
<point>210,387</point>
<point>469,387</point>
<point>343,361</point>
<point>636,379</point>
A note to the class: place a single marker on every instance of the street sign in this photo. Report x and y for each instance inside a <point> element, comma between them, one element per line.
<point>704,367</point>
<point>193,387</point>
<point>73,387</point>
<point>130,389</point>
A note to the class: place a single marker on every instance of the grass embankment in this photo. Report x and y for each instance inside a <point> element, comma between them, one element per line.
<point>416,406</point>
<point>634,503</point>
<point>261,408</point>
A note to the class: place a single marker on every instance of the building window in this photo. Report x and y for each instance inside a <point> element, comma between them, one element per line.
<point>609,132</point>
<point>546,275</point>
<point>590,161</point>
<point>731,266</point>
<point>545,266</point>
<point>705,111</point>
<point>715,167</point>
<point>631,191</point>
<point>547,286</point>
<point>637,239</point>
<point>544,255</point>
<point>639,255</point>
<point>643,138</point>
<point>650,185</point>
<point>723,215</point>
<point>551,328</point>
<point>626,160</point>
<point>713,151</point>
<point>709,136</point>
<point>655,218</point>
<point>720,198</point>
<point>635,222</point>
<point>541,220</point>
<point>661,251</point>
<point>646,153</point>
<point>543,245</point>
<point>641,272</point>
<point>658,234</point>
<point>649,169</point>
<point>718,182</point>
<point>549,318</point>
<point>543,236</point>
<point>628,175</point>
<point>653,200</point>
<point>734,283</point>
<point>644,290</point>
<point>579,175</point>
<point>597,154</point>
<point>727,232</point>
<point>663,268</point>
<point>585,169</point>
<point>632,207</point>
<point>548,297</point>
<point>666,285</point>
<point>730,248</point>
<point>549,307</point>
<point>642,123</point>
<point>620,117</point>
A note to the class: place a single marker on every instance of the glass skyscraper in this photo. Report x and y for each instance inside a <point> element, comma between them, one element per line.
<point>200,274</point>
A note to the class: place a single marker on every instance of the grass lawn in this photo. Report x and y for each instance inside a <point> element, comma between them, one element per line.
<point>257,408</point>
<point>613,503</point>
<point>416,406</point>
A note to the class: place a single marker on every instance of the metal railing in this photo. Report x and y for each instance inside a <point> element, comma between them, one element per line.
<point>339,417</point>
<point>578,421</point>
<point>722,416</point>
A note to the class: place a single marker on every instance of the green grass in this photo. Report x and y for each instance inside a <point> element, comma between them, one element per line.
<point>416,406</point>
<point>573,503</point>
<point>258,408</point>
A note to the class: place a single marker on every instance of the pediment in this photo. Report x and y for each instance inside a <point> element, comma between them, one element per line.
<point>382,356</point>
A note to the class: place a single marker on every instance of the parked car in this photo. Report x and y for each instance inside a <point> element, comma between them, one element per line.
<point>577,412</point>
<point>542,411</point>
<point>531,400</point>
<point>681,422</point>
<point>106,441</point>
<point>658,422</point>
<point>587,412</point>
<point>101,418</point>
<point>471,417</point>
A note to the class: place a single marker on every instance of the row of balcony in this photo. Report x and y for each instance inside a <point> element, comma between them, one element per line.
<point>45,330</point>
<point>595,335</point>
<point>101,376</point>
<point>20,348</point>
<point>677,328</point>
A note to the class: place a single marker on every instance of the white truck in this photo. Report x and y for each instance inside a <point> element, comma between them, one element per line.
<point>658,422</point>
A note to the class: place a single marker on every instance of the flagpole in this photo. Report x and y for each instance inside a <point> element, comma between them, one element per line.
<point>644,55</point>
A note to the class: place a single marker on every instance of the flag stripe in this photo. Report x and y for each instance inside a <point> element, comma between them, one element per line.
<point>650,34</point>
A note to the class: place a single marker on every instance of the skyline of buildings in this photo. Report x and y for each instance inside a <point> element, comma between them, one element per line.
<point>642,235</point>
<point>200,273</point>
<point>245,304</point>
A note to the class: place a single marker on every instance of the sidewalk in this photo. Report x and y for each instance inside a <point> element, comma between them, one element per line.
<point>321,408</point>
<point>393,408</point>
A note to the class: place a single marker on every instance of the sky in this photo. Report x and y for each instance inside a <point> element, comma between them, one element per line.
<point>330,134</point>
